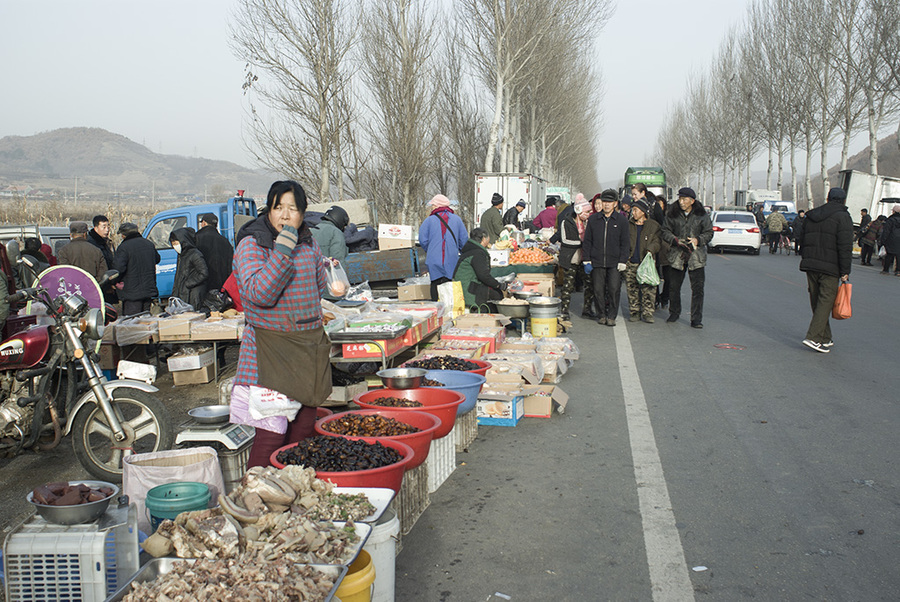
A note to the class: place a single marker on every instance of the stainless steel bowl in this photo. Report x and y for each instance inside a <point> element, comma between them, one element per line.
<point>526,294</point>
<point>513,311</point>
<point>402,378</point>
<point>76,515</point>
<point>544,301</point>
<point>210,414</point>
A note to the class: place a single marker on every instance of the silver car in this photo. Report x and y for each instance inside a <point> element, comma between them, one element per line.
<point>735,230</point>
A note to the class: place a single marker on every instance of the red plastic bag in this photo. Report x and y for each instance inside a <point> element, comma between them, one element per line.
<point>842,309</point>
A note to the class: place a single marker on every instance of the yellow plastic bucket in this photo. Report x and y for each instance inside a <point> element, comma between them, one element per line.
<point>357,583</point>
<point>543,327</point>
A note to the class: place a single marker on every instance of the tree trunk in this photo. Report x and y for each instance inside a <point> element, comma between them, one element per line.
<point>809,155</point>
<point>873,135</point>
<point>793,171</point>
<point>504,140</point>
<point>780,179</point>
<point>495,125</point>
<point>769,167</point>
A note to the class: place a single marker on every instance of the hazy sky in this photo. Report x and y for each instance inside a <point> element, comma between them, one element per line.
<point>162,74</point>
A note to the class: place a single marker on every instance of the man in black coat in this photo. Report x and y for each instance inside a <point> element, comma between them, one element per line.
<point>99,237</point>
<point>136,260</point>
<point>606,242</point>
<point>217,251</point>
<point>826,245</point>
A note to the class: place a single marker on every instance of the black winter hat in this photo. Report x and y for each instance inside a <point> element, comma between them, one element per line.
<point>609,196</point>
<point>337,216</point>
<point>642,205</point>
<point>210,218</point>
<point>837,195</point>
<point>687,192</point>
<point>496,199</point>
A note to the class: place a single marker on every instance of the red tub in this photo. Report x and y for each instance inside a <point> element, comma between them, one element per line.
<point>419,442</point>
<point>323,413</point>
<point>436,401</point>
<point>390,476</point>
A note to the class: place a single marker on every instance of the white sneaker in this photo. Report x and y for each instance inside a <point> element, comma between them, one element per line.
<point>828,345</point>
<point>816,346</point>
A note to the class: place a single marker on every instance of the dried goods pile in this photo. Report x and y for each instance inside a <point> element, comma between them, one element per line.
<point>336,454</point>
<point>396,402</point>
<point>240,578</point>
<point>369,425</point>
<point>427,382</point>
<point>63,494</point>
<point>443,362</point>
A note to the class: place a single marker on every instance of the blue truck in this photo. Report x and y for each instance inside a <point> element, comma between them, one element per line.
<point>375,266</point>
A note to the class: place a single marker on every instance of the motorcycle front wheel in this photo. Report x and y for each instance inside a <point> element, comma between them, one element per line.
<point>147,426</point>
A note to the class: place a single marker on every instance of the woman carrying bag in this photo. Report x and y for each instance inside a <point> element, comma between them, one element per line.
<point>644,239</point>
<point>283,370</point>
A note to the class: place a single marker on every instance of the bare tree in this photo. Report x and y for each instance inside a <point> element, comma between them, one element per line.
<point>296,53</point>
<point>399,75</point>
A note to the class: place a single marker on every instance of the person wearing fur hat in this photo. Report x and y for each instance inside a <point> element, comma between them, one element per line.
<point>492,219</point>
<point>687,228</point>
<point>605,253</point>
<point>644,239</point>
<point>442,235</point>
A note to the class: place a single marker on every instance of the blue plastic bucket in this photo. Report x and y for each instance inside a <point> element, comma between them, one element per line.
<point>171,499</point>
<point>467,383</point>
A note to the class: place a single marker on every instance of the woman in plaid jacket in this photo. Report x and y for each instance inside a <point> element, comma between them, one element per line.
<point>281,277</point>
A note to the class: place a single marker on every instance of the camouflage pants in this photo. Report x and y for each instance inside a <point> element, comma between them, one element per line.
<point>641,297</point>
<point>568,286</point>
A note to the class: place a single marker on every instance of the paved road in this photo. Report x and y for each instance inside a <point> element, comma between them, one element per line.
<point>773,466</point>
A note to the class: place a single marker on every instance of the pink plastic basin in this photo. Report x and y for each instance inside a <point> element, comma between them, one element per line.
<point>438,402</point>
<point>420,442</point>
<point>390,476</point>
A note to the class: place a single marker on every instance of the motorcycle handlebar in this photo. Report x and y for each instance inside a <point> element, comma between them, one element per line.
<point>21,295</point>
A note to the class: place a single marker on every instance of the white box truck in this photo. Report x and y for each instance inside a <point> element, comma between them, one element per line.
<point>512,187</point>
<point>865,191</point>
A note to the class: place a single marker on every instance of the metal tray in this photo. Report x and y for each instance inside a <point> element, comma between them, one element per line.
<point>341,336</point>
<point>380,497</point>
<point>160,566</point>
<point>210,414</point>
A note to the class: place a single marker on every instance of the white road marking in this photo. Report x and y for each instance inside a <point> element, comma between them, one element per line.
<point>669,577</point>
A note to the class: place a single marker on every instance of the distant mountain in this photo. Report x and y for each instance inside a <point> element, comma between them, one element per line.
<point>102,160</point>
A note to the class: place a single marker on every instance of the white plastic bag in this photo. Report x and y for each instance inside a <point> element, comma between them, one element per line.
<point>338,282</point>
<point>266,402</point>
<point>176,306</point>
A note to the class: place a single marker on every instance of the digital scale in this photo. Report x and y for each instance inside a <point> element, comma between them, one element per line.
<point>232,443</point>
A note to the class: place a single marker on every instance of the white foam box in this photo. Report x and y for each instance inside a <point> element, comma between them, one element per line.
<point>395,236</point>
<point>441,461</point>
<point>501,405</point>
<point>499,257</point>
<point>193,361</point>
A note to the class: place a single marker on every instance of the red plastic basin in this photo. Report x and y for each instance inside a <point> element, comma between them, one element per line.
<point>482,369</point>
<point>420,442</point>
<point>323,413</point>
<point>390,476</point>
<point>438,402</point>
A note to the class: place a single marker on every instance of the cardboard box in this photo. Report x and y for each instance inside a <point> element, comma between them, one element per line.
<point>199,376</point>
<point>178,328</point>
<point>347,393</point>
<point>415,333</point>
<point>545,284</point>
<point>477,348</point>
<point>494,336</point>
<point>395,236</point>
<point>513,348</point>
<point>414,292</point>
<point>539,400</point>
<point>481,321</point>
<point>357,350</point>
<point>499,257</point>
<point>506,367</point>
<point>503,405</point>
<point>193,361</point>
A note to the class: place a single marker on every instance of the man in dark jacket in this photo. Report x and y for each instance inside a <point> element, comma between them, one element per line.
<point>826,246</point>
<point>511,217</point>
<point>890,240</point>
<point>687,229</point>
<point>191,272</point>
<point>492,219</point>
<point>99,237</point>
<point>217,251</point>
<point>136,260</point>
<point>605,253</point>
<point>82,254</point>
<point>474,272</point>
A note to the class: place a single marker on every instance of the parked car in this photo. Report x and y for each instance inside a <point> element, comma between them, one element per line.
<point>735,230</point>
<point>55,236</point>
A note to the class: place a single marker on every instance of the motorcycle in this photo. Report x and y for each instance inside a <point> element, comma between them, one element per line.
<point>51,385</point>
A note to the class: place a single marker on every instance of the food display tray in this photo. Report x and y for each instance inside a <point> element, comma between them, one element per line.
<point>160,566</point>
<point>380,497</point>
<point>344,336</point>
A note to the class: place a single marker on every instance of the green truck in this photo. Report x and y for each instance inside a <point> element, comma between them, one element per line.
<point>654,178</point>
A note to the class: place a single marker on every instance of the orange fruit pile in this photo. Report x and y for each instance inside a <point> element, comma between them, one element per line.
<point>529,256</point>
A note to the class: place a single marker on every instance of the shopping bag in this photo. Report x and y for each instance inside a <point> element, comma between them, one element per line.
<point>646,272</point>
<point>338,282</point>
<point>841,309</point>
<point>882,251</point>
<point>451,295</point>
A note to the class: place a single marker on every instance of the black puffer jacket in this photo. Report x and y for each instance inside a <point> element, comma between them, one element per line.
<point>136,260</point>
<point>826,241</point>
<point>890,234</point>
<point>606,240</point>
<point>678,226</point>
<point>105,247</point>
<point>191,272</point>
<point>569,240</point>
<point>218,253</point>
